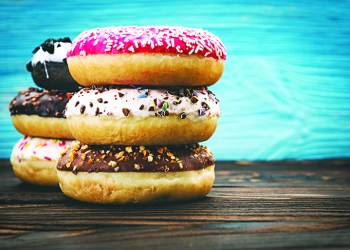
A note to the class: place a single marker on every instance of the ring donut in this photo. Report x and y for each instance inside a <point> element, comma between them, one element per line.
<point>39,113</point>
<point>49,65</point>
<point>158,56</point>
<point>136,174</point>
<point>142,116</point>
<point>34,159</point>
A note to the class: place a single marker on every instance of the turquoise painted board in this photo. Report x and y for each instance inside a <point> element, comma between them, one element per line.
<point>285,92</point>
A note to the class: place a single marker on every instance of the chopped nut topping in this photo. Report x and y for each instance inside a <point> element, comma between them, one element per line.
<point>137,166</point>
<point>128,149</point>
<point>126,111</point>
<point>119,155</point>
<point>112,164</point>
<point>83,156</point>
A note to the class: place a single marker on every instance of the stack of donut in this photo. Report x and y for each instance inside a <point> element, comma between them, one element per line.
<point>39,115</point>
<point>144,108</point>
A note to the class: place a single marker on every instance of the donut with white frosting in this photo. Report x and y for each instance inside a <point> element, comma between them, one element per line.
<point>49,65</point>
<point>141,55</point>
<point>34,159</point>
<point>142,116</point>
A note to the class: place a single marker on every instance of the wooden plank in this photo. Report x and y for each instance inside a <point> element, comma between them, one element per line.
<point>285,90</point>
<point>261,205</point>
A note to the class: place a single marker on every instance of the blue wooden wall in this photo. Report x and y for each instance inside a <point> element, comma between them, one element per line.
<point>286,88</point>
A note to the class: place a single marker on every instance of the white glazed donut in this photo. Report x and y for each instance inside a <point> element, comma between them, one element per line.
<point>34,159</point>
<point>139,116</point>
<point>158,56</point>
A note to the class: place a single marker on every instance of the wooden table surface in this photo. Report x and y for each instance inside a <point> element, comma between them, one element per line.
<point>253,205</point>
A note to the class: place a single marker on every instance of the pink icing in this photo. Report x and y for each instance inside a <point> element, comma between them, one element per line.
<point>130,39</point>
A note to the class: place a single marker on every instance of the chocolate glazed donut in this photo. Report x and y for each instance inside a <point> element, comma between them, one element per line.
<point>49,65</point>
<point>44,103</point>
<point>136,174</point>
<point>40,113</point>
<point>118,158</point>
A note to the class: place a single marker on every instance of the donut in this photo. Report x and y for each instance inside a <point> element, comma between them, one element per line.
<point>135,174</point>
<point>158,56</point>
<point>142,116</point>
<point>34,159</point>
<point>37,112</point>
<point>48,66</point>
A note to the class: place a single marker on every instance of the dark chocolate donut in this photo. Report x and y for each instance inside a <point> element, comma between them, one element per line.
<point>44,103</point>
<point>116,158</point>
<point>49,65</point>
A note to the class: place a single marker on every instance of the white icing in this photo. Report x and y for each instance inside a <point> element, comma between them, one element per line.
<point>46,72</point>
<point>111,104</point>
<point>35,148</point>
<point>59,54</point>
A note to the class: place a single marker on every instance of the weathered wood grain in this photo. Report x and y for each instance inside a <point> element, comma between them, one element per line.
<point>285,91</point>
<point>259,205</point>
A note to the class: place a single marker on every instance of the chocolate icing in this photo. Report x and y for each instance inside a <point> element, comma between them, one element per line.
<point>115,158</point>
<point>44,103</point>
<point>59,76</point>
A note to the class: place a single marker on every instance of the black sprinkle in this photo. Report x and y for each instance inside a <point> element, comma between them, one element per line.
<point>100,100</point>
<point>51,47</point>
<point>29,66</point>
<point>183,115</point>
<point>141,107</point>
<point>36,49</point>
<point>91,104</point>
<point>77,103</point>
<point>82,109</point>
<point>151,108</point>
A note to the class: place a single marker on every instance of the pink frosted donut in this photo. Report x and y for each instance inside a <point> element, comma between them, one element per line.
<point>34,159</point>
<point>163,56</point>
